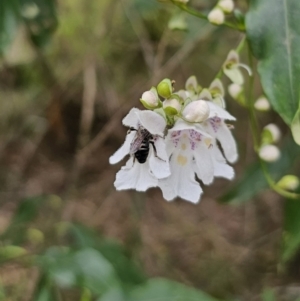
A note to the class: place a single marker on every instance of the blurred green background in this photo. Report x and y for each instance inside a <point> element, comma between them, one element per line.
<point>69,71</point>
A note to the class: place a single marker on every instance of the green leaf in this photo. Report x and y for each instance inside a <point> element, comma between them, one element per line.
<point>43,290</point>
<point>11,252</point>
<point>26,212</point>
<point>291,228</point>
<point>8,22</point>
<point>166,290</point>
<point>274,34</point>
<point>295,127</point>
<point>98,274</point>
<point>126,269</point>
<point>44,23</point>
<point>268,295</point>
<point>253,181</point>
<point>85,268</point>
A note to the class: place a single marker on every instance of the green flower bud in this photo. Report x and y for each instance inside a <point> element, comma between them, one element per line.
<point>289,182</point>
<point>165,88</point>
<point>273,131</point>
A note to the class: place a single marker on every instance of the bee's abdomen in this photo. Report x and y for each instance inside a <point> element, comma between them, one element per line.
<point>142,154</point>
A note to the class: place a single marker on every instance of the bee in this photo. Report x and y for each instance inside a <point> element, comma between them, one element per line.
<point>140,145</point>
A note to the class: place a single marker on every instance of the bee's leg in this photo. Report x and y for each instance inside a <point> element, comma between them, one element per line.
<point>130,130</point>
<point>155,152</point>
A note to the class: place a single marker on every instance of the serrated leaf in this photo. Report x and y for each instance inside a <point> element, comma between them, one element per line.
<point>274,34</point>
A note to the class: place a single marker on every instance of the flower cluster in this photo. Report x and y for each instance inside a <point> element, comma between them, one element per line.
<point>175,141</point>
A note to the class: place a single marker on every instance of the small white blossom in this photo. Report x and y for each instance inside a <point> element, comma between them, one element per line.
<point>269,153</point>
<point>262,104</point>
<point>232,66</point>
<point>142,176</point>
<point>216,16</point>
<point>226,5</point>
<point>274,130</point>
<point>235,90</point>
<point>217,92</point>
<point>196,111</point>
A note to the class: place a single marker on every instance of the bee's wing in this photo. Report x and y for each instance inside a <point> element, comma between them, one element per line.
<point>136,142</point>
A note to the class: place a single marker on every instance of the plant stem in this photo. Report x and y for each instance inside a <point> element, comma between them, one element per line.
<point>200,15</point>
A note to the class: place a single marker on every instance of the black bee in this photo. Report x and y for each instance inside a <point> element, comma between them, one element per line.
<point>140,145</point>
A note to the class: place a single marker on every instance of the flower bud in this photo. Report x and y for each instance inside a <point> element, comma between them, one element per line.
<point>262,104</point>
<point>274,131</point>
<point>205,95</point>
<point>165,88</point>
<point>216,16</point>
<point>196,111</point>
<point>191,83</point>
<point>150,99</point>
<point>235,90</point>
<point>226,5</point>
<point>289,182</point>
<point>172,106</point>
<point>216,87</point>
<point>269,153</point>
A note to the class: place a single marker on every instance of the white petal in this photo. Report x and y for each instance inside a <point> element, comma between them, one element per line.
<point>221,169</point>
<point>204,163</point>
<point>181,125</point>
<point>182,181</point>
<point>228,144</point>
<point>159,165</point>
<point>131,119</point>
<point>135,176</point>
<point>217,111</point>
<point>153,122</point>
<point>123,150</point>
<point>235,75</point>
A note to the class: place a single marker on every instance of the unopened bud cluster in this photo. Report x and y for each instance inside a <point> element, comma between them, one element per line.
<point>190,104</point>
<point>217,14</point>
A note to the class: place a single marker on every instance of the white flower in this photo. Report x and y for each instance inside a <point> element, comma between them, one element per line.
<point>269,153</point>
<point>216,16</point>
<point>217,128</point>
<point>141,176</point>
<point>196,111</point>
<point>232,66</point>
<point>262,104</point>
<point>192,151</point>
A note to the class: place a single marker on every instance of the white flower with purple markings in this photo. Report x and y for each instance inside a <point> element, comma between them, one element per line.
<point>141,174</point>
<point>189,152</point>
